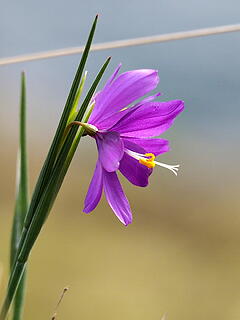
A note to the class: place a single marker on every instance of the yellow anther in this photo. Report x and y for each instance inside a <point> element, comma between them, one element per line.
<point>149,161</point>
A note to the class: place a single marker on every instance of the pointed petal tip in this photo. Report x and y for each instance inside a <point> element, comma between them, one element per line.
<point>122,90</point>
<point>126,222</point>
<point>181,105</point>
<point>86,210</point>
<point>151,72</point>
<point>157,79</point>
<point>116,197</point>
<point>181,102</point>
<point>94,190</point>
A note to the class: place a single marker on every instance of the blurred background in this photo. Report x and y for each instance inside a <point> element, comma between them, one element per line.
<point>181,255</point>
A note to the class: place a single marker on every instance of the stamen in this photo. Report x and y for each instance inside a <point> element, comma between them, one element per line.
<point>148,160</point>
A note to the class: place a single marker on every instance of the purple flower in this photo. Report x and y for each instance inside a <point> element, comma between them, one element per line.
<point>122,137</point>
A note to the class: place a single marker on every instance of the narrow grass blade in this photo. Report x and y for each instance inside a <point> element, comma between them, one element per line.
<point>48,195</point>
<point>18,268</point>
<point>21,203</point>
<point>73,112</point>
<point>58,174</point>
<point>57,141</point>
<point>51,157</point>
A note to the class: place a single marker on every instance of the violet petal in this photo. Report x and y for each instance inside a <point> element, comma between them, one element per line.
<point>116,197</point>
<point>112,120</point>
<point>113,76</point>
<point>156,146</point>
<point>110,148</point>
<point>149,120</point>
<point>121,92</point>
<point>134,171</point>
<point>95,189</point>
<point>147,99</point>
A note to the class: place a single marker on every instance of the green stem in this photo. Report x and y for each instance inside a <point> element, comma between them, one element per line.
<point>18,266</point>
<point>31,230</point>
<point>19,299</point>
<point>51,158</point>
<point>57,141</point>
<point>21,205</point>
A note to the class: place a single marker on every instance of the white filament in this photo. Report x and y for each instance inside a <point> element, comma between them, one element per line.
<point>135,155</point>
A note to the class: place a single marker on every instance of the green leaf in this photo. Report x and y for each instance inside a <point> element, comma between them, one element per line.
<point>57,141</point>
<point>52,154</point>
<point>58,174</point>
<point>74,112</point>
<point>21,203</point>
<point>31,233</point>
<point>18,266</point>
<point>49,183</point>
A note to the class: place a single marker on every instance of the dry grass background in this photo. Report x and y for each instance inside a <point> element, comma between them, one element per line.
<point>180,256</point>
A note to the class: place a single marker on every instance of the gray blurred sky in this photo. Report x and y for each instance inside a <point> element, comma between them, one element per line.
<point>190,69</point>
<point>202,71</point>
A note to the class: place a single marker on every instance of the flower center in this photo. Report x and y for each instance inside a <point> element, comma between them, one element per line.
<point>148,160</point>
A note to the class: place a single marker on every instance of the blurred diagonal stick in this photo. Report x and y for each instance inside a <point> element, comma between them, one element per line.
<point>1,274</point>
<point>164,317</point>
<point>59,302</point>
<point>123,43</point>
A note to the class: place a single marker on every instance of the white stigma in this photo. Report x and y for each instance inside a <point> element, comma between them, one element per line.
<point>173,168</point>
